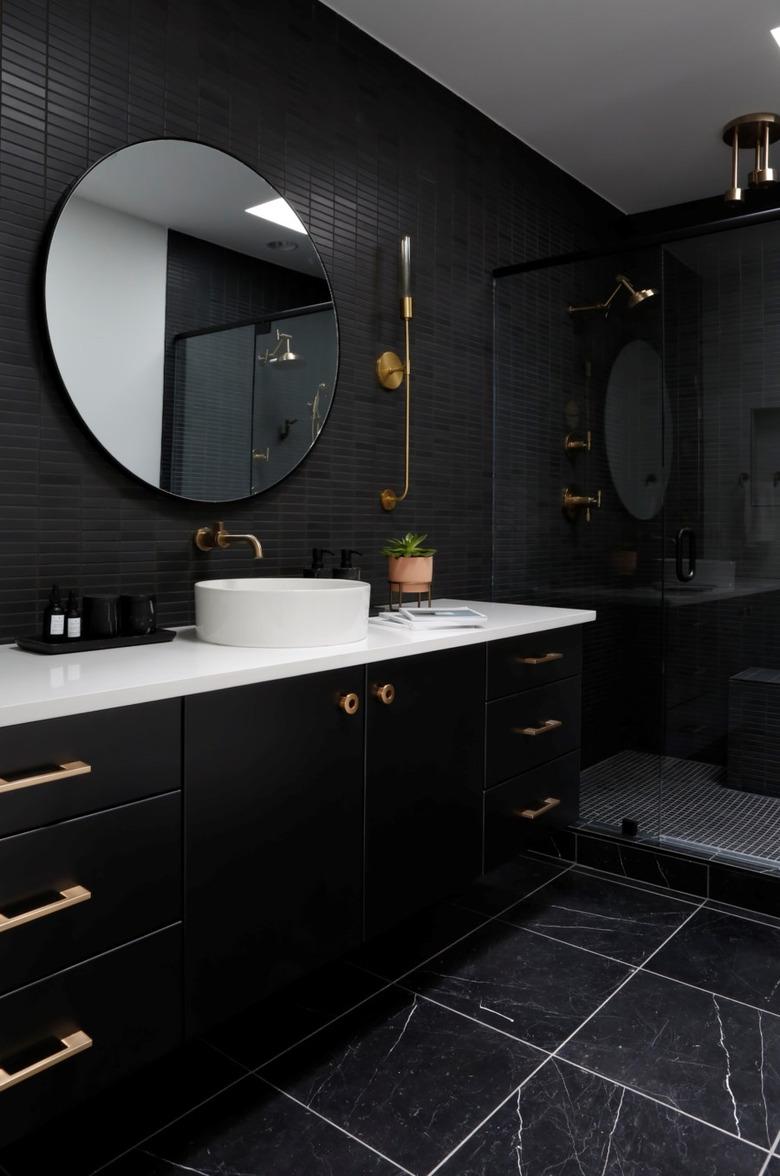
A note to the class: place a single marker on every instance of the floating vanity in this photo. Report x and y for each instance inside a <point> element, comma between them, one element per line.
<point>317,797</point>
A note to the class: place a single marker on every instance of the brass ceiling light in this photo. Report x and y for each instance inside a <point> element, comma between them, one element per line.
<point>755,131</point>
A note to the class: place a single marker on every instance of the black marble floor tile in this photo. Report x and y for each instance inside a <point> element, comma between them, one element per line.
<point>703,1054</point>
<point>569,1123</point>
<point>416,940</point>
<point>94,1133</point>
<point>252,1129</point>
<point>501,887</point>
<point>260,1033</point>
<point>537,989</point>
<point>645,865</point>
<point>587,911</point>
<point>737,957</point>
<point>405,1075</point>
<point>743,912</point>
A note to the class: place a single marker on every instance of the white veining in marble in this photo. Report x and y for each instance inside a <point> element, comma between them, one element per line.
<point>34,687</point>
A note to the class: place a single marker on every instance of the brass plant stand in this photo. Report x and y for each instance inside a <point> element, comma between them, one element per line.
<point>397,587</point>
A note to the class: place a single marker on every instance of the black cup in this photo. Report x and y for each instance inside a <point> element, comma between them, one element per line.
<point>101,616</point>
<point>138,614</point>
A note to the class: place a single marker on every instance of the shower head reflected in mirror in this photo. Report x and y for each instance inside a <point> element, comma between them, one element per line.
<point>623,283</point>
<point>282,353</point>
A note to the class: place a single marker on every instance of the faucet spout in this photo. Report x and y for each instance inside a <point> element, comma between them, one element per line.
<point>207,538</point>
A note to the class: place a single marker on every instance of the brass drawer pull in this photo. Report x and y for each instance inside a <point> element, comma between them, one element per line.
<point>540,661</point>
<point>350,703</point>
<point>548,725</point>
<point>67,898</point>
<point>74,1043</point>
<point>550,803</point>
<point>384,693</point>
<point>46,776</point>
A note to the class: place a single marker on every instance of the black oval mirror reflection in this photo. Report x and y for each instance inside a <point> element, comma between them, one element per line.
<point>191,320</point>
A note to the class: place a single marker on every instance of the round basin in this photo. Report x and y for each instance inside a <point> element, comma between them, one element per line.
<point>274,613</point>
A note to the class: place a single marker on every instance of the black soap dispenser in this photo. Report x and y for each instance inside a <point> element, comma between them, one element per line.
<point>346,571</point>
<point>73,618</point>
<point>317,569</point>
<point>54,617</point>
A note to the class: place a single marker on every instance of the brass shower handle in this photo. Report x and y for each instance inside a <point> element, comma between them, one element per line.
<point>572,502</point>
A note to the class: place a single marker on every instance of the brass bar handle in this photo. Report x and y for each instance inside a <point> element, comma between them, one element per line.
<point>547,725</point>
<point>384,693</point>
<point>60,772</point>
<point>539,661</point>
<point>67,898</point>
<point>550,802</point>
<point>74,1043</point>
<point>350,703</point>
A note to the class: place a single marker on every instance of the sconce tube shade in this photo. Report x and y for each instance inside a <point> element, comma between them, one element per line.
<point>405,271</point>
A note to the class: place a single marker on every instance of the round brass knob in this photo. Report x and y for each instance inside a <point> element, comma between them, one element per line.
<point>350,703</point>
<point>385,693</point>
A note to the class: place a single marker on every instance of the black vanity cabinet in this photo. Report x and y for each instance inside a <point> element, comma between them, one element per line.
<point>424,770</point>
<point>274,836</point>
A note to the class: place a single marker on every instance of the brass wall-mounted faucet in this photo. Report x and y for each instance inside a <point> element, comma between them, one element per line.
<point>572,502</point>
<point>207,538</point>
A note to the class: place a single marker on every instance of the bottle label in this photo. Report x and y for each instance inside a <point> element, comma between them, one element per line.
<point>57,625</point>
<point>74,627</point>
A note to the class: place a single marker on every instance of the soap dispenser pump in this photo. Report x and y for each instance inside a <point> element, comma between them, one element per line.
<point>317,569</point>
<point>346,571</point>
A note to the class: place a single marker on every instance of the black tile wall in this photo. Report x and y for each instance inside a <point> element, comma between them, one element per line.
<point>365,148</point>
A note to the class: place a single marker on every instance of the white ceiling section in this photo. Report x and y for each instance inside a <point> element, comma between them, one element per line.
<point>629,96</point>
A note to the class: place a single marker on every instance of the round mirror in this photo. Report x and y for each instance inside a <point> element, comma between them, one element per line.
<point>191,320</point>
<point>638,429</point>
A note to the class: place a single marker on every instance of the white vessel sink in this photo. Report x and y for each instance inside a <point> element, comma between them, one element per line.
<point>273,613</point>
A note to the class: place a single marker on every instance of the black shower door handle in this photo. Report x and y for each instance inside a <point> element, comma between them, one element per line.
<point>685,536</point>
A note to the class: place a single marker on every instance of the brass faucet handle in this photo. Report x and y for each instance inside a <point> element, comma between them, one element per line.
<point>573,444</point>
<point>206,537</point>
<point>572,502</point>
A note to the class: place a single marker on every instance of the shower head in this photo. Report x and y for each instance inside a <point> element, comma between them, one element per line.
<point>634,296</point>
<point>282,353</point>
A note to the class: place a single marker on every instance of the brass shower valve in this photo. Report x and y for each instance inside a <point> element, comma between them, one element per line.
<point>572,444</point>
<point>573,502</point>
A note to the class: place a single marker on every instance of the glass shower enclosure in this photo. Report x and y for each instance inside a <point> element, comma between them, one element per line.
<point>667,402</point>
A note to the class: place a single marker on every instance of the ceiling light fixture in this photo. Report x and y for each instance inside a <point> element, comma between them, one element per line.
<point>776,34</point>
<point>279,212</point>
<point>758,132</point>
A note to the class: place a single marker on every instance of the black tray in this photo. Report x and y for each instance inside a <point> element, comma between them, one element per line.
<point>38,645</point>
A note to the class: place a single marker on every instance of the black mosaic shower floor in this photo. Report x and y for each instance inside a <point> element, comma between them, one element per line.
<point>682,801</point>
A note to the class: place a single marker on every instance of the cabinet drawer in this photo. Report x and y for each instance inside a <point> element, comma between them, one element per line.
<point>531,728</point>
<point>521,663</point>
<point>127,1004</point>
<point>115,756</point>
<point>508,830</point>
<point>78,888</point>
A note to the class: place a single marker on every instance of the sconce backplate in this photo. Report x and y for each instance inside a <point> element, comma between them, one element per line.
<point>390,370</point>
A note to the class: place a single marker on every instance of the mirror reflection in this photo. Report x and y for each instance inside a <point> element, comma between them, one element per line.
<point>191,320</point>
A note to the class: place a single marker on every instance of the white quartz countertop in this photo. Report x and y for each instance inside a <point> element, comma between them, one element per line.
<point>34,686</point>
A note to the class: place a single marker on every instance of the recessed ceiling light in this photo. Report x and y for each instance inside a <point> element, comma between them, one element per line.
<point>776,34</point>
<point>279,212</point>
<point>283,246</point>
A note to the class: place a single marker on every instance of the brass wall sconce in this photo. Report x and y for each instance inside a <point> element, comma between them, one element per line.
<point>392,371</point>
<point>756,131</point>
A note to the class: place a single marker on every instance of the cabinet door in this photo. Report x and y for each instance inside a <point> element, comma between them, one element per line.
<point>425,768</point>
<point>274,837</point>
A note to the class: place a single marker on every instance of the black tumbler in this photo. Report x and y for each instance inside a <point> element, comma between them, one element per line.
<point>101,616</point>
<point>138,614</point>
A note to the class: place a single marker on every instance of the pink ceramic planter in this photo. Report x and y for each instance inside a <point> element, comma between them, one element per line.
<point>413,572</point>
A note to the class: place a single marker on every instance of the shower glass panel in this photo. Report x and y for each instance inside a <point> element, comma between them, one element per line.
<point>578,375</point>
<point>721,779</point>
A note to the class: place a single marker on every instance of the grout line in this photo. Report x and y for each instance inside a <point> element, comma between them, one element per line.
<point>738,912</point>
<point>330,1122</point>
<point>476,1020</point>
<point>566,943</point>
<point>713,992</point>
<point>772,1153</point>
<point>668,1105</point>
<point>689,899</point>
<point>512,1094</point>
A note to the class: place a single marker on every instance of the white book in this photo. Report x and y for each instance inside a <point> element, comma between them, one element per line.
<point>422,619</point>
